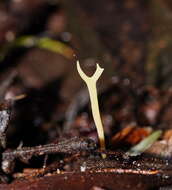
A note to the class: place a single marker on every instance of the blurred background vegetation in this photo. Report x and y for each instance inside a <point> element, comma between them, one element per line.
<point>40,41</point>
<point>130,38</point>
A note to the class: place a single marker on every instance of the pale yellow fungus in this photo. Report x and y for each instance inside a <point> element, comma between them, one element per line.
<point>91,84</point>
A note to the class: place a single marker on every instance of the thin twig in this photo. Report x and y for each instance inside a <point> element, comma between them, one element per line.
<point>71,146</point>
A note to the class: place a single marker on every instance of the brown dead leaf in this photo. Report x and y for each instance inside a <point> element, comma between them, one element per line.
<point>131,135</point>
<point>161,148</point>
<point>167,134</point>
<point>122,134</point>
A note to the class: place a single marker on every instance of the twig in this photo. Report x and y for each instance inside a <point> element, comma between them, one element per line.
<point>127,171</point>
<point>24,154</point>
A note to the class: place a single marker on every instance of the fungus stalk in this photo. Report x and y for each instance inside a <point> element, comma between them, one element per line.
<point>91,84</point>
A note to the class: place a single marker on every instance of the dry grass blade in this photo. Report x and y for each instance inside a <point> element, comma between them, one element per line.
<point>144,144</point>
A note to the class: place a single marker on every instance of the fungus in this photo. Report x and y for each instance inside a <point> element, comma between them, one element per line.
<point>91,84</point>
